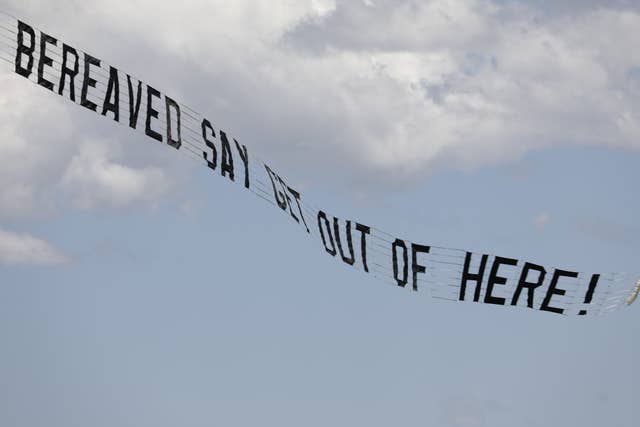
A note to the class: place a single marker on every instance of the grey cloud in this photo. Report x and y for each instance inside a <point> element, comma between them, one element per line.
<point>387,25</point>
<point>570,7</point>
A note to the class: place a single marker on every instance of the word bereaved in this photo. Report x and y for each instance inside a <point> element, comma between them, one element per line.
<point>38,47</point>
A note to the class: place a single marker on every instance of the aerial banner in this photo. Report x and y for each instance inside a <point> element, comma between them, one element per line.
<point>440,272</point>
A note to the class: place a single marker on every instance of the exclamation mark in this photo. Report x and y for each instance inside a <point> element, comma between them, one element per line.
<point>589,296</point>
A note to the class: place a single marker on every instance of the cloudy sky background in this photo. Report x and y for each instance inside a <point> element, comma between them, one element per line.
<point>139,290</point>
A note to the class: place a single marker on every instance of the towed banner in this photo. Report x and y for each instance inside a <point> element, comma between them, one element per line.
<point>444,273</point>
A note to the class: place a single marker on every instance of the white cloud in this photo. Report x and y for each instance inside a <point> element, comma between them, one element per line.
<point>31,152</point>
<point>472,85</point>
<point>47,145</point>
<point>93,179</point>
<point>381,90</point>
<point>323,7</point>
<point>24,249</point>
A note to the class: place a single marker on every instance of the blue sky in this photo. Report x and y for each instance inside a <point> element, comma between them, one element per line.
<point>184,300</point>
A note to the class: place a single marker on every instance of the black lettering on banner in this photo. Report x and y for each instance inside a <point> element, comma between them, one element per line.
<point>286,196</point>
<point>206,125</point>
<point>477,277</point>
<point>152,113</point>
<point>88,81</point>
<point>283,185</point>
<point>415,267</point>
<point>296,196</point>
<point>494,279</point>
<point>134,105</point>
<point>322,218</point>
<point>113,91</point>
<point>405,266</point>
<point>45,60</point>
<point>24,50</point>
<point>589,296</point>
<point>364,231</point>
<point>226,163</point>
<point>280,198</point>
<point>531,286</point>
<point>553,290</point>
<point>351,259</point>
<point>170,104</point>
<point>242,150</point>
<point>66,71</point>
